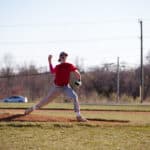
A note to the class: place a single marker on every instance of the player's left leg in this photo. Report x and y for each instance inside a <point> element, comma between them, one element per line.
<point>73,95</point>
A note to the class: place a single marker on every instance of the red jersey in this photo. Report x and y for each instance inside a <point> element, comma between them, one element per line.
<point>62,73</point>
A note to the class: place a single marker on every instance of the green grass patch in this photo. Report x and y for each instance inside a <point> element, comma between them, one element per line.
<point>67,136</point>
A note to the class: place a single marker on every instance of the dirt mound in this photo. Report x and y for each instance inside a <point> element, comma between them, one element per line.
<point>41,118</point>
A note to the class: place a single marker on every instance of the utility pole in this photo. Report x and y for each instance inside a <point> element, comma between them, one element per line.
<point>141,69</point>
<point>118,80</point>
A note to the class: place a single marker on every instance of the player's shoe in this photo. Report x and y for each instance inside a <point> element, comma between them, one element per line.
<point>81,119</point>
<point>29,110</point>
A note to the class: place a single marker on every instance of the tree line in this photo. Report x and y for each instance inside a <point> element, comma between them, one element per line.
<point>97,81</point>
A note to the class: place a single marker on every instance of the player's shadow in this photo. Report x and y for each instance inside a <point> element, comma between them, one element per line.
<point>108,120</point>
<point>11,117</point>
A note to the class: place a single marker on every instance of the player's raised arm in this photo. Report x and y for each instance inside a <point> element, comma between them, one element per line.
<point>52,70</point>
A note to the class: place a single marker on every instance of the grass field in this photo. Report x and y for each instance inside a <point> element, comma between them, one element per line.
<point>134,135</point>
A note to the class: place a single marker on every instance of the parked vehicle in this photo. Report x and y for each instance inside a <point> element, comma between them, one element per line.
<point>16,99</point>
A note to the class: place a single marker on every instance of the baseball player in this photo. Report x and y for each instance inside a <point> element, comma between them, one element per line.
<point>61,85</point>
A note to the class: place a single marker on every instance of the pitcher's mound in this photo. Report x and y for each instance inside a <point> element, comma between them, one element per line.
<point>42,118</point>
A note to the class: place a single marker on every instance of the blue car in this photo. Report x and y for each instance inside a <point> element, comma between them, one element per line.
<point>15,99</point>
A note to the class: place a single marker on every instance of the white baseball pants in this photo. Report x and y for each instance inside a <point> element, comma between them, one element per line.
<point>56,91</point>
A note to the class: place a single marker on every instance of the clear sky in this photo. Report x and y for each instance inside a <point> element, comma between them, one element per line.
<point>93,31</point>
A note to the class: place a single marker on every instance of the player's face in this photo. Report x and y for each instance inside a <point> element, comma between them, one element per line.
<point>63,58</point>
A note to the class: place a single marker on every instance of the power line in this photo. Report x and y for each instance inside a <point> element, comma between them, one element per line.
<point>122,20</point>
<point>70,41</point>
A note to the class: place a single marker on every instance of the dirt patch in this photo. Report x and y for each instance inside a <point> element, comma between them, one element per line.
<point>43,118</point>
<point>18,115</point>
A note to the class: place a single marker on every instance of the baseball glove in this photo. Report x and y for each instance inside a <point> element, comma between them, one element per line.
<point>78,82</point>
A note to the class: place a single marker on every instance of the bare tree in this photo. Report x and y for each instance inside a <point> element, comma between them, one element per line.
<point>7,71</point>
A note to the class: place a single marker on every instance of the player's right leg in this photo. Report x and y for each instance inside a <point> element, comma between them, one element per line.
<point>54,92</point>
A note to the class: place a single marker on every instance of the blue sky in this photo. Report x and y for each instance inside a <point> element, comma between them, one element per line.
<point>93,31</point>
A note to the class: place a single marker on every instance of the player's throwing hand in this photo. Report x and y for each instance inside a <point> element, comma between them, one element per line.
<point>50,58</point>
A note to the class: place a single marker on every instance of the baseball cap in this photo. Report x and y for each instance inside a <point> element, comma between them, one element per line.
<point>62,54</point>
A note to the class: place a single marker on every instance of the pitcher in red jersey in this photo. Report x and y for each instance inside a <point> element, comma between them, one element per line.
<point>61,85</point>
